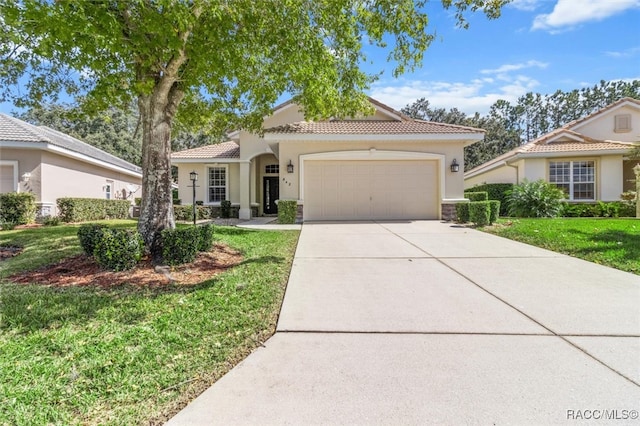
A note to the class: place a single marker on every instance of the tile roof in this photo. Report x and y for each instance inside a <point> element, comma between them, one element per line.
<point>228,149</point>
<point>575,146</point>
<point>15,130</point>
<point>378,127</point>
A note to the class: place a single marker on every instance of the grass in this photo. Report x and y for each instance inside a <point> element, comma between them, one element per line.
<point>607,241</point>
<point>127,355</point>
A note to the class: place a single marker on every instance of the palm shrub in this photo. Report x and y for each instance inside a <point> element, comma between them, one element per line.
<point>535,199</point>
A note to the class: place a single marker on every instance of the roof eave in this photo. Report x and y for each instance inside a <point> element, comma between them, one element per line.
<point>466,138</point>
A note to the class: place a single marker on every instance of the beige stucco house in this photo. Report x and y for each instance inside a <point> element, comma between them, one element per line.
<point>53,165</point>
<point>586,158</point>
<point>383,166</point>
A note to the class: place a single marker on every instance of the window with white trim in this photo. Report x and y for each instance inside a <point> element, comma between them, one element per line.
<point>217,183</point>
<point>622,123</point>
<point>576,178</point>
<point>108,189</point>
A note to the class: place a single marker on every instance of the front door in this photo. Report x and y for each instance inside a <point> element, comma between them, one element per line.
<point>270,193</point>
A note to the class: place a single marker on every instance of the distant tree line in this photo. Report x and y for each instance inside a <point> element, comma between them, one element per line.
<point>115,131</point>
<point>509,125</point>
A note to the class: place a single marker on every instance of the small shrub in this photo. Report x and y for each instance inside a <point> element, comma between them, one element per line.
<point>535,199</point>
<point>18,208</point>
<point>137,201</point>
<point>206,237</point>
<point>180,245</point>
<point>7,226</point>
<point>494,213</point>
<point>118,249</point>
<point>462,212</point>
<point>225,209</point>
<point>477,196</point>
<point>89,234</point>
<point>479,212</point>
<point>496,191</point>
<point>199,203</point>
<point>287,211</point>
<point>51,221</point>
<point>177,201</point>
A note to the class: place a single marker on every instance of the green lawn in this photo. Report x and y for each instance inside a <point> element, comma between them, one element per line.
<point>128,355</point>
<point>611,242</point>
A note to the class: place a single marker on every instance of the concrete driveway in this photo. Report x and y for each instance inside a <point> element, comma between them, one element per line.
<point>430,323</point>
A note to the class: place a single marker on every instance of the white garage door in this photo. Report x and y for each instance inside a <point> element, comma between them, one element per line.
<point>370,190</point>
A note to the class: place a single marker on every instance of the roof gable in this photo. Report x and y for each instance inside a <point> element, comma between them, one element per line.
<point>20,133</point>
<point>622,103</point>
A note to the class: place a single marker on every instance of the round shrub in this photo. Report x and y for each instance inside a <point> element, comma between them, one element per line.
<point>535,199</point>
<point>118,249</point>
<point>89,234</point>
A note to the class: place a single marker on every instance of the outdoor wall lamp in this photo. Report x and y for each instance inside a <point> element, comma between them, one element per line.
<point>193,176</point>
<point>26,177</point>
<point>455,167</point>
<point>290,167</point>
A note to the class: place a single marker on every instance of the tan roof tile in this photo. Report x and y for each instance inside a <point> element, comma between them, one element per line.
<point>379,127</point>
<point>228,149</point>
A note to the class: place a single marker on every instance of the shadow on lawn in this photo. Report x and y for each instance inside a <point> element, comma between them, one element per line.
<point>619,245</point>
<point>28,308</point>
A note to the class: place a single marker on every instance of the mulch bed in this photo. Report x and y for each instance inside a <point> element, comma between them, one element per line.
<point>82,270</point>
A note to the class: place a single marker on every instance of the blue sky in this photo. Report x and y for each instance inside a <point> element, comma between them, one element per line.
<point>535,46</point>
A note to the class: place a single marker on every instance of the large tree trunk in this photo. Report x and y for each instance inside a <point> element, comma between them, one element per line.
<point>157,110</point>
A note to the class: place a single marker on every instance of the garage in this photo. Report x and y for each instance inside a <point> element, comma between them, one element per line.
<point>371,190</point>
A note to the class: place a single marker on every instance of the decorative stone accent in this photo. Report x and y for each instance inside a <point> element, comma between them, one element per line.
<point>449,212</point>
<point>299,213</point>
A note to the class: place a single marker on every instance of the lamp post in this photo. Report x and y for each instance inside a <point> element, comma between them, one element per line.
<point>194,177</point>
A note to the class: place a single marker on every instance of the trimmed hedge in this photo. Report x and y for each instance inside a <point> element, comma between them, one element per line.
<point>495,191</point>
<point>183,212</point>
<point>477,195</point>
<point>86,209</point>
<point>118,249</point>
<point>494,206</point>
<point>287,211</point>
<point>17,208</point>
<point>225,209</point>
<point>462,212</point>
<point>89,234</point>
<point>206,237</point>
<point>599,209</point>
<point>180,245</point>
<point>480,212</point>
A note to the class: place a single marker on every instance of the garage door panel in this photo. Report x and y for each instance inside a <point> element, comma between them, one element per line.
<point>367,190</point>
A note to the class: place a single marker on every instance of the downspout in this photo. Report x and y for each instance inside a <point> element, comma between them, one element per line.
<point>516,168</point>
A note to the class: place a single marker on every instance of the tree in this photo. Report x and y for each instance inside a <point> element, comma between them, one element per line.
<point>205,63</point>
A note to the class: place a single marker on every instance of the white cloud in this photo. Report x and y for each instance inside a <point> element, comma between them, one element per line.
<point>526,5</point>
<point>624,53</point>
<point>515,67</point>
<point>569,13</point>
<point>469,97</point>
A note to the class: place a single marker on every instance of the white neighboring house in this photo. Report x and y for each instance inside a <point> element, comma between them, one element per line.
<point>382,166</point>
<point>586,158</point>
<point>53,165</point>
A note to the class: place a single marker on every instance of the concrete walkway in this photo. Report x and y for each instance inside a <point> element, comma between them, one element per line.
<point>430,323</point>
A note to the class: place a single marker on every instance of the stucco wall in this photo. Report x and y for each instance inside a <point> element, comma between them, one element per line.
<point>611,180</point>
<point>28,162</point>
<point>292,150</point>
<point>185,191</point>
<point>602,127</point>
<point>66,177</point>
<point>502,174</point>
